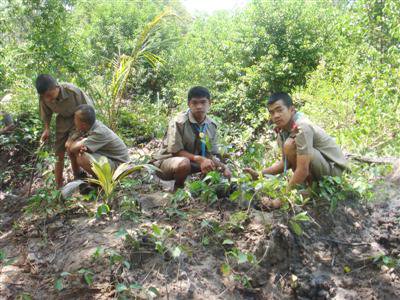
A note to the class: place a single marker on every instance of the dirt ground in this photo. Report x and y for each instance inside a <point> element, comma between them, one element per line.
<point>333,259</point>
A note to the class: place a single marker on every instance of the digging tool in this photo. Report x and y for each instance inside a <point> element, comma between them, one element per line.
<point>34,166</point>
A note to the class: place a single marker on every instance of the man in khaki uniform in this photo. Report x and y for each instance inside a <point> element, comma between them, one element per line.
<point>62,99</point>
<point>185,148</point>
<point>306,148</point>
<point>95,138</point>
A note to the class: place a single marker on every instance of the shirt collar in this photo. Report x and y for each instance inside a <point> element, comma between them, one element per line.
<point>95,124</point>
<point>62,95</point>
<point>207,120</point>
<point>293,126</point>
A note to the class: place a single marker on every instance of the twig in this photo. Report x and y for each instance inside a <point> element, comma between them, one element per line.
<point>343,242</point>
<point>358,269</point>
<point>166,281</point>
<point>376,160</point>
<point>282,277</point>
<point>223,292</point>
<point>34,167</point>
<point>147,275</point>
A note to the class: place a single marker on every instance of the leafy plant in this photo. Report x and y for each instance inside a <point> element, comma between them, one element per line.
<point>236,257</point>
<point>108,180</point>
<point>237,220</point>
<point>213,230</point>
<point>296,220</point>
<point>130,208</point>
<point>59,283</point>
<point>336,189</point>
<point>124,65</point>
<point>47,199</point>
<point>387,261</point>
<point>159,236</point>
<point>213,186</point>
<point>87,275</point>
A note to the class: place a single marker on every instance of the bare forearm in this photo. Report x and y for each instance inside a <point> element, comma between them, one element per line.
<point>76,146</point>
<point>299,176</point>
<point>275,169</point>
<point>190,156</point>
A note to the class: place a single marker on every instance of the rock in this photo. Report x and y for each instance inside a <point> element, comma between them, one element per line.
<point>261,217</point>
<point>70,188</point>
<point>384,268</point>
<point>150,201</point>
<point>346,294</point>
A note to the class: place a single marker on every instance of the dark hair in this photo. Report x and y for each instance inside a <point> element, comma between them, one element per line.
<point>45,82</point>
<point>198,92</point>
<point>86,114</point>
<point>287,100</point>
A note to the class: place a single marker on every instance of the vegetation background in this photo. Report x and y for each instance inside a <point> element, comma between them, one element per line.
<point>214,239</point>
<point>339,59</point>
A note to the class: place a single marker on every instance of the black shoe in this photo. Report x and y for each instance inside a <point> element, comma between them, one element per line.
<point>86,188</point>
<point>81,175</point>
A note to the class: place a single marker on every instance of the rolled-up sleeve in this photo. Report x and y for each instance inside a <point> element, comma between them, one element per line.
<point>85,99</point>
<point>95,141</point>
<point>304,140</point>
<point>174,138</point>
<point>45,112</point>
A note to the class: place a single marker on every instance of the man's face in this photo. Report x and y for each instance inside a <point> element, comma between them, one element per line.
<point>79,125</point>
<point>199,107</point>
<point>51,95</point>
<point>280,114</point>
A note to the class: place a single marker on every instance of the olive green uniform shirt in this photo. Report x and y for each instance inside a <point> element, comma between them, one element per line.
<point>103,141</point>
<point>64,106</point>
<point>182,136</point>
<point>310,136</point>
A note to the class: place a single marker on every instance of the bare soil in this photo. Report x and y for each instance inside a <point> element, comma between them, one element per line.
<point>333,259</point>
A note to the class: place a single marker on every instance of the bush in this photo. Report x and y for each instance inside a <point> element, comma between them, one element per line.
<point>148,121</point>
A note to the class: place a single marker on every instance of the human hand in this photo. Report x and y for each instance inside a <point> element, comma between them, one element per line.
<point>227,173</point>
<point>45,135</point>
<point>207,165</point>
<point>253,173</point>
<point>82,150</point>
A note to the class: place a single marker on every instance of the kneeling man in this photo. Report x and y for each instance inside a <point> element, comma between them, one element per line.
<point>95,138</point>
<point>306,148</point>
<point>185,148</point>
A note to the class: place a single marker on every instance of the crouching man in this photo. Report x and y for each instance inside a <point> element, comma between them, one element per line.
<point>96,139</point>
<point>184,150</point>
<point>306,148</point>
<point>61,99</point>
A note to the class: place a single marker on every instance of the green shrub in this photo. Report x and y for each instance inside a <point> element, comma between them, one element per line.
<point>143,123</point>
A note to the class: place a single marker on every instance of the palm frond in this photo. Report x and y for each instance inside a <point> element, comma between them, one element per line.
<point>124,170</point>
<point>153,59</point>
<point>148,29</point>
<point>125,65</point>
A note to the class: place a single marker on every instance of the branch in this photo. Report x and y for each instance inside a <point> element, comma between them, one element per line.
<point>373,160</point>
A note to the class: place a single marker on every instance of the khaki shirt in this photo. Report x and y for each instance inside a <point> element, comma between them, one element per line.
<point>102,140</point>
<point>182,136</point>
<point>64,106</point>
<point>310,136</point>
